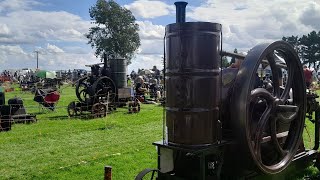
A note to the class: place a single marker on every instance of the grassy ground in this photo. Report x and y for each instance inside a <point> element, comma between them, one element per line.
<point>57,147</point>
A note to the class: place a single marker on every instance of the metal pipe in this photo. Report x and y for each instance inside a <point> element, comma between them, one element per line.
<point>230,54</point>
<point>316,128</point>
<point>180,11</point>
<point>107,173</point>
<point>240,56</point>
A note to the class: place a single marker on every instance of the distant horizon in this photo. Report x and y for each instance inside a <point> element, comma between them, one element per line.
<point>56,28</point>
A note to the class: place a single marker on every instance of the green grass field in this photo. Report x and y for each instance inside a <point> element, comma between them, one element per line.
<point>57,147</point>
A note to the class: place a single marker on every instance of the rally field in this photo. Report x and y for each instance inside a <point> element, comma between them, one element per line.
<point>58,147</point>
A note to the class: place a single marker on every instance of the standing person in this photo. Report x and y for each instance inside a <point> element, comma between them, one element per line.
<point>236,64</point>
<point>308,75</point>
<point>156,73</point>
<point>140,88</point>
<point>128,81</point>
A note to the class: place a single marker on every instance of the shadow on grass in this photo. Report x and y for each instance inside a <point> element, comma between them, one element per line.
<point>39,113</point>
<point>108,127</point>
<point>88,116</point>
<point>59,118</point>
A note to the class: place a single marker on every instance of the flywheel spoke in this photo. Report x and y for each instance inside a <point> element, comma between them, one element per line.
<point>274,138</point>
<point>285,94</point>
<point>264,119</point>
<point>275,74</point>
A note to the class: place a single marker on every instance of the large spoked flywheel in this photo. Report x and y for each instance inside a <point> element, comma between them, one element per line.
<point>268,118</point>
<point>104,87</point>
<point>82,89</point>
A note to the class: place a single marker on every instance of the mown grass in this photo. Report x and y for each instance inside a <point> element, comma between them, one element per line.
<point>57,147</point>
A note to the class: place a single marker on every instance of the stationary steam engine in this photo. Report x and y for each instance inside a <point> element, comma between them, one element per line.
<point>228,123</point>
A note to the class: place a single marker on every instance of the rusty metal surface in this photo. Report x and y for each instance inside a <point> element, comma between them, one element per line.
<point>192,82</point>
<point>108,173</point>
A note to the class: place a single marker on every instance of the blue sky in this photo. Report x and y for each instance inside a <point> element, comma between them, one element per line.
<point>56,28</point>
<point>81,8</point>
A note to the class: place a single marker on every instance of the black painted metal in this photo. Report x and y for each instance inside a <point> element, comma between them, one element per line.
<point>119,72</point>
<point>5,119</point>
<point>230,54</point>
<point>249,139</point>
<point>83,88</point>
<point>2,98</point>
<point>193,106</point>
<point>192,82</point>
<point>97,89</point>
<point>180,11</point>
<point>316,128</point>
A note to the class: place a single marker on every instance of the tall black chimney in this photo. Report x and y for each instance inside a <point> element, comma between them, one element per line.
<point>180,11</point>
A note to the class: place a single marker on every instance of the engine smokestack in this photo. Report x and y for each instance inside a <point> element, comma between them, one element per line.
<point>180,11</point>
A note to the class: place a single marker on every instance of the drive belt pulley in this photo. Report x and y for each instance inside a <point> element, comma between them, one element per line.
<point>269,120</point>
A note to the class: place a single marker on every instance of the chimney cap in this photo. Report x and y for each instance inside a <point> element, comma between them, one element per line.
<point>180,2</point>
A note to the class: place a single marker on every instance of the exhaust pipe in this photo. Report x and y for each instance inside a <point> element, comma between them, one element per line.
<point>180,11</point>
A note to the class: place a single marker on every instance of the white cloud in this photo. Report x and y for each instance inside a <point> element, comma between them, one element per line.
<point>12,50</point>
<point>150,52</point>
<point>146,62</point>
<point>248,22</point>
<point>148,30</point>
<point>12,56</point>
<point>13,5</point>
<point>149,9</point>
<point>54,49</point>
<point>76,50</point>
<point>36,26</point>
<point>60,34</point>
<point>63,61</point>
<point>4,30</point>
<point>23,30</point>
<point>51,57</point>
<point>151,47</point>
<point>311,15</point>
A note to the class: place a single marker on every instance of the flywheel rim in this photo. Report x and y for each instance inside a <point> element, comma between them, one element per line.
<point>274,102</point>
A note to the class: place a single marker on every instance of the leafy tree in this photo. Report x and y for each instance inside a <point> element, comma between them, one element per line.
<point>233,59</point>
<point>307,46</point>
<point>115,33</point>
<point>310,44</point>
<point>295,42</point>
<point>225,62</point>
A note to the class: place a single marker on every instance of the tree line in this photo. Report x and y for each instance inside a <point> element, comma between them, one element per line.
<point>307,47</point>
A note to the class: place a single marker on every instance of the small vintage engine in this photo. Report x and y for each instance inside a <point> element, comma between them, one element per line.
<point>103,90</point>
<point>14,112</point>
<point>224,123</point>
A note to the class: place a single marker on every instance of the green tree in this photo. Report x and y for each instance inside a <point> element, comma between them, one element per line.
<point>311,48</point>
<point>225,63</point>
<point>115,33</point>
<point>307,47</point>
<point>233,59</point>
<point>295,42</point>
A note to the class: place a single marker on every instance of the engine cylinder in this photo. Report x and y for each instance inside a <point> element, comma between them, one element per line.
<point>192,83</point>
<point>119,72</point>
